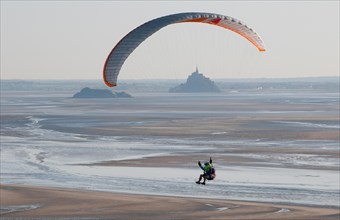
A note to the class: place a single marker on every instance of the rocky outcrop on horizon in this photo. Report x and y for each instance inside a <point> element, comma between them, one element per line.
<point>100,93</point>
<point>196,82</point>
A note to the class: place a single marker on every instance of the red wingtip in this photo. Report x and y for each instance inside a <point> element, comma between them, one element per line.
<point>109,84</point>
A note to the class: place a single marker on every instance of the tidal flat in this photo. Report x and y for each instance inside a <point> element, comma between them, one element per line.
<point>268,147</point>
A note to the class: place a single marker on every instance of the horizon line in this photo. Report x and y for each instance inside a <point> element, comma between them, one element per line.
<point>233,78</point>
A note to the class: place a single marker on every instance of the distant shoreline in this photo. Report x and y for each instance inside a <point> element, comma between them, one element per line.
<point>322,84</point>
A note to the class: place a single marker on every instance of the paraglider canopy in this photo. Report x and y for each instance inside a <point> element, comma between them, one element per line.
<point>130,42</point>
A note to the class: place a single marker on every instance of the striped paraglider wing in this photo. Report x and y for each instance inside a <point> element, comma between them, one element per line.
<point>130,42</point>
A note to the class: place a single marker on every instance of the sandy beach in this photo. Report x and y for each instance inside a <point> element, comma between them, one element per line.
<point>24,202</point>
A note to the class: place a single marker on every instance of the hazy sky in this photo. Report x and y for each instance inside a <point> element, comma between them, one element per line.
<point>71,40</point>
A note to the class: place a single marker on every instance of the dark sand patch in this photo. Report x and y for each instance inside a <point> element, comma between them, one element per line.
<point>77,204</point>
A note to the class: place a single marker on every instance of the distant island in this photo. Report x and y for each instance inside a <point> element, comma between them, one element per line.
<point>100,93</point>
<point>196,82</point>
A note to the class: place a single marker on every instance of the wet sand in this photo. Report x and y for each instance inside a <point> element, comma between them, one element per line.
<point>261,128</point>
<point>56,203</point>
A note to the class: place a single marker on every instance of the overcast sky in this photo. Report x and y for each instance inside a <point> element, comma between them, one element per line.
<point>71,40</point>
